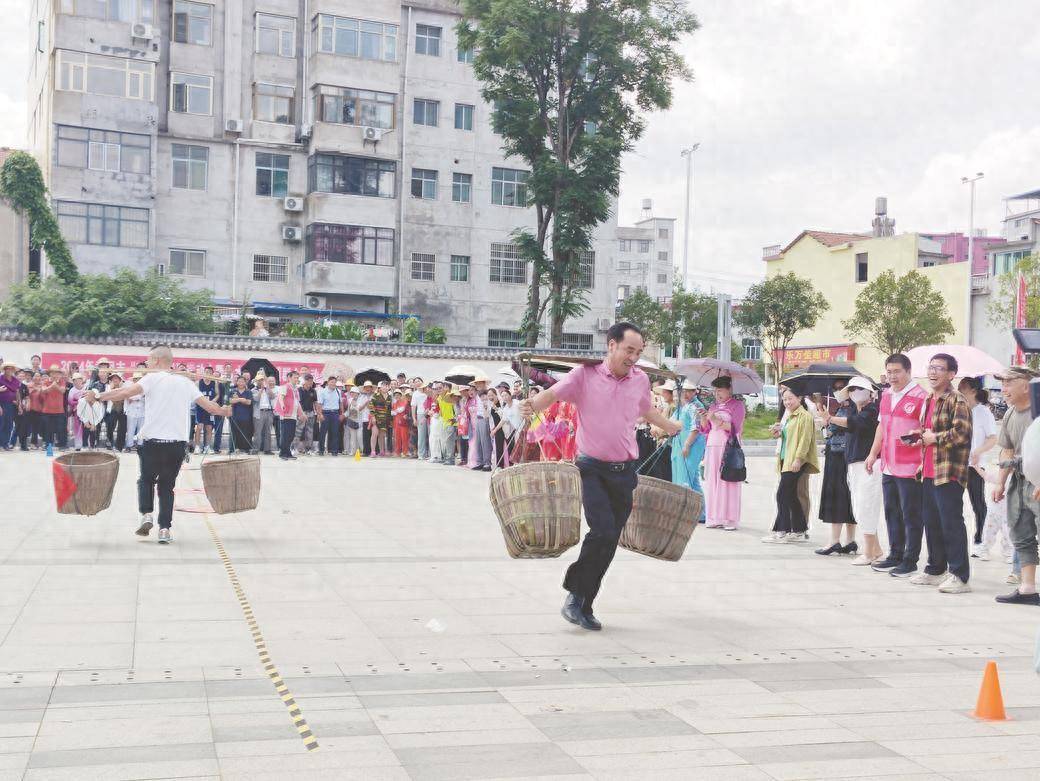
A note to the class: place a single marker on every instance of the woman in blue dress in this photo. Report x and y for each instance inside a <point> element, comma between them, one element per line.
<point>688,449</point>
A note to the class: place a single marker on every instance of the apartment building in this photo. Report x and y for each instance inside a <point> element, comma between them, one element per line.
<point>645,255</point>
<point>321,157</point>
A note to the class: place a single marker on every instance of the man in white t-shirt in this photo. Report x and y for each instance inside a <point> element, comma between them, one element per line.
<point>164,434</point>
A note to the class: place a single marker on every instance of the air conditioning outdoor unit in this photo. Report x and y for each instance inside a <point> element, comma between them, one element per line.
<point>293,203</point>
<point>160,269</point>
<point>292,233</point>
<point>140,30</point>
<point>306,131</point>
<point>603,324</point>
<point>233,126</point>
<point>315,302</point>
<point>373,134</point>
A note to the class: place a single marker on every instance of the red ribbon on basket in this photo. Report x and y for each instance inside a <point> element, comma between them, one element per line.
<point>64,485</point>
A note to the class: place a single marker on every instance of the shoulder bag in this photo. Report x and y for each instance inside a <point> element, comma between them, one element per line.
<point>734,468</point>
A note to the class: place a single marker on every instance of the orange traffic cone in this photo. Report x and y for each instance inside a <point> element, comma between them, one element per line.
<point>991,703</point>
<point>357,455</point>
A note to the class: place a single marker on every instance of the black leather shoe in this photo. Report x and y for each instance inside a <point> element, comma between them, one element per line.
<point>835,548</point>
<point>849,549</point>
<point>589,621</point>
<point>1016,597</point>
<point>572,609</point>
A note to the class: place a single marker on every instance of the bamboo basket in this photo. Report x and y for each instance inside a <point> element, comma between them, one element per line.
<point>93,477</point>
<point>232,484</point>
<point>538,507</point>
<point>663,518</point>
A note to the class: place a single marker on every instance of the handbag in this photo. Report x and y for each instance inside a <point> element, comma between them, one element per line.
<point>351,424</point>
<point>734,468</point>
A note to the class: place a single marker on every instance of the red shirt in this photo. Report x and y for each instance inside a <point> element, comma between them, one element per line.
<point>928,468</point>
<point>53,400</point>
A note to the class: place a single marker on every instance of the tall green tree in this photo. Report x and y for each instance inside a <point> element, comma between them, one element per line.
<point>570,82</point>
<point>21,185</point>
<point>694,315</point>
<point>1002,309</point>
<point>650,316</point>
<point>894,314</point>
<point>775,310</point>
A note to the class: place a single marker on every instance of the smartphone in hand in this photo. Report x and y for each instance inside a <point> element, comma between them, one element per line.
<point>913,438</point>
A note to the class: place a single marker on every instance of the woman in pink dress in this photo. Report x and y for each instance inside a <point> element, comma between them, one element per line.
<point>723,418</point>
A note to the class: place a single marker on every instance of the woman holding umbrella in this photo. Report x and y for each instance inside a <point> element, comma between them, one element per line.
<point>835,498</point>
<point>723,420</point>
<point>688,450</point>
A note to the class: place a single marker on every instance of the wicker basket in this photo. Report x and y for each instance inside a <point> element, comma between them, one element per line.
<point>232,484</point>
<point>539,508</point>
<point>83,482</point>
<point>663,517</point>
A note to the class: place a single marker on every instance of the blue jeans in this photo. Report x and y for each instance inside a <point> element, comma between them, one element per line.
<point>902,496</point>
<point>7,423</point>
<point>943,511</point>
<point>218,434</point>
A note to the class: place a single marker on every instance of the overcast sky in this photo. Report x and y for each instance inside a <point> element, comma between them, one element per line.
<point>805,111</point>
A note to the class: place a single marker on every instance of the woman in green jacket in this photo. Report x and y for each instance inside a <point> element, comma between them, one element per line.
<point>797,457</point>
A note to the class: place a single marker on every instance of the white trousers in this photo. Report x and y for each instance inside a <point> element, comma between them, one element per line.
<point>436,436</point>
<point>865,490</point>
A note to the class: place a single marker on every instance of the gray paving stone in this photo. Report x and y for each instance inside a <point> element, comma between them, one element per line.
<point>498,761</point>
<point>763,755</point>
<point>823,684</point>
<point>432,698</point>
<point>618,724</point>
<point>128,692</point>
<point>32,697</point>
<point>416,682</point>
<point>124,755</point>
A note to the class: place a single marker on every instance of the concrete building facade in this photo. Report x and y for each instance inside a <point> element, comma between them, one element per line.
<point>317,155</point>
<point>15,259</point>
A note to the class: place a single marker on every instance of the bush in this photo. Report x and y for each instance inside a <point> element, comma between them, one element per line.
<point>346,331</point>
<point>410,332</point>
<point>435,335</point>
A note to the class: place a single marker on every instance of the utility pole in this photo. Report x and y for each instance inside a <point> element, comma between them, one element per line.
<point>688,154</point>
<point>724,326</point>
<point>971,250</point>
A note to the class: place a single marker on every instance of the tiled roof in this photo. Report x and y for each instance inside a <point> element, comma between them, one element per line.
<point>828,238</point>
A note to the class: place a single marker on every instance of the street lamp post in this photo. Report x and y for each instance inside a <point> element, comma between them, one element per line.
<point>971,249</point>
<point>688,154</point>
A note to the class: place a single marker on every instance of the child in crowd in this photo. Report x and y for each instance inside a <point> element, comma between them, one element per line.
<point>90,413</point>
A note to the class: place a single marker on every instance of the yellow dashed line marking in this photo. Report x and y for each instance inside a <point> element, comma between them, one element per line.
<point>261,647</point>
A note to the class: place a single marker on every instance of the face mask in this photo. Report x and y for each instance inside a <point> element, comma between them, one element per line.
<point>859,396</point>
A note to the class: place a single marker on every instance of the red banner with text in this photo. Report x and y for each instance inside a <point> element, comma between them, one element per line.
<point>799,357</point>
<point>125,364</point>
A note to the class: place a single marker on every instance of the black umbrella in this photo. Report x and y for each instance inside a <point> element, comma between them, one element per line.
<point>819,378</point>
<point>371,374</point>
<point>254,365</point>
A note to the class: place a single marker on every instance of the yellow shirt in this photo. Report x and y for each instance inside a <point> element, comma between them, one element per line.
<point>447,410</point>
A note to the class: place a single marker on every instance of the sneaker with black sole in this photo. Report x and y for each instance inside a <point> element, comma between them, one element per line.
<point>146,525</point>
<point>165,538</point>
<point>903,571</point>
<point>885,565</point>
<point>1016,597</point>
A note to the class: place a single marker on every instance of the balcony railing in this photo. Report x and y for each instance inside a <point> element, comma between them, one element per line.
<point>772,251</point>
<point>980,283</point>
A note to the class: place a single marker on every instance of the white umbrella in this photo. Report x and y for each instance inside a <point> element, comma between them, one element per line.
<point>971,361</point>
<point>701,371</point>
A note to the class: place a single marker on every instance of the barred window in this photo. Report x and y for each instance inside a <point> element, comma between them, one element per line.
<point>460,268</point>
<point>272,174</point>
<point>192,22</point>
<point>350,244</point>
<point>187,262</point>
<point>644,246</point>
<point>352,175</point>
<point>752,349</point>
<point>425,112</point>
<point>424,183</point>
<point>507,264</point>
<point>97,223</point>
<point>347,106</point>
<point>190,164</point>
<point>509,186</point>
<point>275,35</point>
<point>462,188</point>
<point>355,38</point>
<point>270,268</point>
<point>586,269</point>
<point>662,256</point>
<point>499,337</point>
<point>273,103</point>
<point>662,279</point>
<point>428,40</point>
<point>423,266</point>
<point>576,341</point>
<point>104,150</point>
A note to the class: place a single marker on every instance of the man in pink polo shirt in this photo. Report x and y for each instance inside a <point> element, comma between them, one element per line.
<point>609,396</point>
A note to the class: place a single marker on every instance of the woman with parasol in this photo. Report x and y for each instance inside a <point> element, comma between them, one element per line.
<point>722,421</point>
<point>688,450</point>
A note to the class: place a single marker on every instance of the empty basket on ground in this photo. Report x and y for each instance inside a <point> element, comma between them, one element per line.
<point>663,517</point>
<point>83,482</point>
<point>538,507</point>
<point>232,484</point>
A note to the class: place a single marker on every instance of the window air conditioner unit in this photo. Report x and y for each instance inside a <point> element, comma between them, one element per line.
<point>293,203</point>
<point>233,126</point>
<point>160,269</point>
<point>145,31</point>
<point>292,233</point>
<point>373,134</point>
<point>603,324</point>
<point>306,131</point>
<point>316,302</point>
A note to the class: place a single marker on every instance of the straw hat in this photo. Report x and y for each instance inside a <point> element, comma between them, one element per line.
<point>103,362</point>
<point>5,364</point>
<point>368,384</point>
<point>481,378</point>
<point>54,368</point>
<point>667,385</point>
<point>77,376</point>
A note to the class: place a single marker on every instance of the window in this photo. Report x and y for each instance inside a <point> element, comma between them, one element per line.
<point>752,349</point>
<point>1006,262</point>
<point>104,150</point>
<point>643,246</point>
<point>275,35</point>
<point>352,176</point>
<point>625,245</point>
<point>355,38</point>
<point>460,268</point>
<point>192,22</point>
<point>463,116</point>
<point>586,269</point>
<point>498,337</point>
<point>187,262</point>
<point>190,166</point>
<point>355,107</point>
<point>424,183</point>
<point>622,292</point>
<point>428,40</point>
<point>191,94</point>
<point>590,128</point>
<point>465,55</point>
<point>509,186</point>
<point>662,233</point>
<point>662,256</point>
<point>462,188</point>
<point>272,174</point>
<point>273,103</point>
<point>624,265</point>
<point>270,268</point>
<point>111,10</point>
<point>507,264</point>
<point>96,223</point>
<point>423,266</point>
<point>103,75</point>
<point>576,341</point>
<point>350,244</point>
<point>861,266</point>
<point>425,112</point>
<point>662,279</point>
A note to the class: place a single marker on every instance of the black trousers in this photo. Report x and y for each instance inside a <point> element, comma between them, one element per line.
<point>977,497</point>
<point>464,457</point>
<point>902,497</point>
<point>287,428</point>
<point>607,500</point>
<point>23,427</point>
<point>790,512</point>
<point>115,429</point>
<point>943,509</point>
<point>241,434</point>
<point>330,433</point>
<point>55,429</point>
<point>160,465</point>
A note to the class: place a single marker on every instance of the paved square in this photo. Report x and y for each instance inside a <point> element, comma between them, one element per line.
<point>413,647</point>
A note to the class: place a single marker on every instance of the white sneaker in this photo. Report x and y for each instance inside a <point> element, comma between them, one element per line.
<point>146,525</point>
<point>1012,579</point>
<point>1009,559</point>
<point>924,579</point>
<point>954,585</point>
<point>775,537</point>
<point>979,552</point>
<point>797,536</point>
<point>165,538</point>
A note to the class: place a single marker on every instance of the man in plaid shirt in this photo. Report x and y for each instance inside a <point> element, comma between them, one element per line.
<point>946,441</point>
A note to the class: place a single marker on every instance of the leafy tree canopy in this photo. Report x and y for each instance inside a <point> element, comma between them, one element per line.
<point>895,314</point>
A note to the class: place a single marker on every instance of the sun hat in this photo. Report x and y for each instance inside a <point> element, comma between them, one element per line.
<point>77,376</point>
<point>368,384</point>
<point>481,378</point>
<point>54,368</point>
<point>667,385</point>
<point>855,382</point>
<point>103,362</point>
<point>1018,373</point>
<point>5,364</point>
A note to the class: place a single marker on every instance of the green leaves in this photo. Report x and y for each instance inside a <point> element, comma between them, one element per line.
<point>895,314</point>
<point>774,310</point>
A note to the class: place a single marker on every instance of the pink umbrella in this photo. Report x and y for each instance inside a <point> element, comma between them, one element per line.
<point>701,371</point>
<point>971,361</point>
